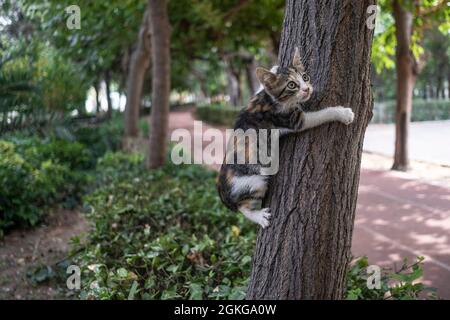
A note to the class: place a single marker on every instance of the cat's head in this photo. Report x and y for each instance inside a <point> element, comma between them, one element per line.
<point>287,85</point>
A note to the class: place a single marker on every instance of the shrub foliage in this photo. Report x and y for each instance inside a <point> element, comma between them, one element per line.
<point>218,114</point>
<point>165,235</point>
<point>162,235</point>
<point>56,169</point>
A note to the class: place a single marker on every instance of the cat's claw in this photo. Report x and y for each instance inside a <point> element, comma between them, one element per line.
<point>346,115</point>
<point>264,218</point>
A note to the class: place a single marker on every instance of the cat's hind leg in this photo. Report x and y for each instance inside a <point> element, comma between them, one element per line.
<point>259,216</point>
<point>250,190</point>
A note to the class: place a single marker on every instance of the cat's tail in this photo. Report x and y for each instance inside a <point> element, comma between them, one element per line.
<point>224,190</point>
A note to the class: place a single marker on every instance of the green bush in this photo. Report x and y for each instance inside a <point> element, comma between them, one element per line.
<point>103,138</point>
<point>56,168</point>
<point>218,114</point>
<point>400,284</point>
<point>18,194</point>
<point>423,110</point>
<point>164,234</point>
<point>34,177</point>
<point>113,166</point>
<point>72,154</point>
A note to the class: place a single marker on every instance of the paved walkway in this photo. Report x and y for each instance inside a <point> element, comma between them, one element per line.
<point>431,140</point>
<point>396,218</point>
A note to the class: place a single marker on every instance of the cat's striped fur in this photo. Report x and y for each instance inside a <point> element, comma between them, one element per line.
<point>242,187</point>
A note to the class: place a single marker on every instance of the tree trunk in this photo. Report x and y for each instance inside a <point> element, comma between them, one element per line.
<point>203,95</point>
<point>233,88</point>
<point>139,63</point>
<point>305,252</point>
<point>440,85</point>
<point>406,80</point>
<point>448,83</point>
<point>97,98</point>
<point>252,82</point>
<point>108,94</point>
<point>159,122</point>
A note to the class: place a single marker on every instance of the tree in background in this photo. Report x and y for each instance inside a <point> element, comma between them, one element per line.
<point>159,120</point>
<point>305,252</point>
<point>411,18</point>
<point>99,46</point>
<point>139,63</point>
<point>431,83</point>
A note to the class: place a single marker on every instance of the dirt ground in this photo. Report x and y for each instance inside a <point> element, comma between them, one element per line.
<point>28,257</point>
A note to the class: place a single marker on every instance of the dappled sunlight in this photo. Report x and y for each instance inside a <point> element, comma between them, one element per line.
<point>436,223</point>
<point>380,222</point>
<point>428,238</point>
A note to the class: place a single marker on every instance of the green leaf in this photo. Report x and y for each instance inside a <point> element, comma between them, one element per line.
<point>195,291</point>
<point>133,290</point>
<point>122,273</point>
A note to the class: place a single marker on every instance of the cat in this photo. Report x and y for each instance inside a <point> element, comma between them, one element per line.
<point>242,187</point>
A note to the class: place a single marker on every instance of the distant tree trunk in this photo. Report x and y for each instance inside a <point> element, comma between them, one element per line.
<point>233,86</point>
<point>159,122</point>
<point>97,97</point>
<point>108,93</point>
<point>4,121</point>
<point>440,90</point>
<point>406,79</point>
<point>203,95</point>
<point>305,252</point>
<point>252,82</point>
<point>98,105</point>
<point>139,63</point>
<point>448,83</point>
<point>425,92</point>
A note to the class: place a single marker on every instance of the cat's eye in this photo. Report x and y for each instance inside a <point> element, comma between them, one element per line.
<point>292,85</point>
<point>305,77</point>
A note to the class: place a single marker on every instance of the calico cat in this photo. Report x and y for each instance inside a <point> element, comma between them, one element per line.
<point>242,187</point>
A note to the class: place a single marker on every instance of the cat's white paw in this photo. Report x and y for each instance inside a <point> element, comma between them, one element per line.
<point>345,115</point>
<point>263,218</point>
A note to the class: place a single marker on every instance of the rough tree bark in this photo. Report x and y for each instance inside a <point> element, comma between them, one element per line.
<point>139,63</point>
<point>159,120</point>
<point>407,70</point>
<point>304,254</point>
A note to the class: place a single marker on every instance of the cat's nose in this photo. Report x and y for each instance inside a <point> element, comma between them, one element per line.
<point>305,90</point>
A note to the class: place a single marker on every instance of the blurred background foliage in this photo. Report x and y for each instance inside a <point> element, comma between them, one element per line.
<point>215,46</point>
<point>54,77</point>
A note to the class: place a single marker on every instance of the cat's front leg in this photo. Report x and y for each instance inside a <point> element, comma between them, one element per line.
<point>344,115</point>
<point>314,119</point>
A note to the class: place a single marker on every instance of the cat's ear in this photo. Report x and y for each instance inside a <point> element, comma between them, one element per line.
<point>265,77</point>
<point>297,61</point>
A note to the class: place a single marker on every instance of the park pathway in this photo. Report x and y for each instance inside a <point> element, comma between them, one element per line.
<point>396,218</point>
<point>430,140</point>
